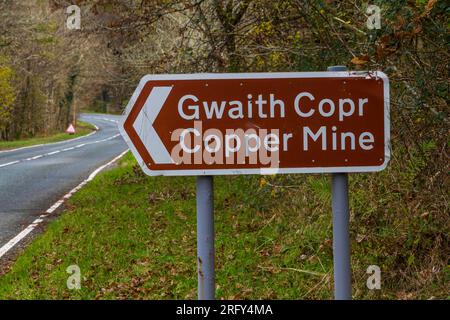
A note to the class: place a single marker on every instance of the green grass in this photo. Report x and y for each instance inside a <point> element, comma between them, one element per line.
<point>134,237</point>
<point>83,128</point>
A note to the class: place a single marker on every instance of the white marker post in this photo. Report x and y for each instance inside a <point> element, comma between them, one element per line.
<point>341,239</point>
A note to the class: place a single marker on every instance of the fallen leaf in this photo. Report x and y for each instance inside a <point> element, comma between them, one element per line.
<point>360,60</point>
<point>428,7</point>
<point>360,238</point>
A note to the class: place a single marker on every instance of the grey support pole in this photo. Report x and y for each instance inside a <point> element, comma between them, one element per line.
<point>341,238</point>
<point>205,238</point>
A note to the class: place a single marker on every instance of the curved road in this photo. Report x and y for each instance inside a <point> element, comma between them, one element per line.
<point>32,179</point>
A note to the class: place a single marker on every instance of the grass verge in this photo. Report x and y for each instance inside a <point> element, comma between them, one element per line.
<point>134,237</point>
<point>83,128</point>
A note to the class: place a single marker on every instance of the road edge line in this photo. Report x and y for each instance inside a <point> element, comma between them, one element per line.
<point>21,235</point>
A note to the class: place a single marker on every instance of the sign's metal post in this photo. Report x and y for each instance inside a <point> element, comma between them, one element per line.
<point>205,238</point>
<point>341,241</point>
<point>341,238</point>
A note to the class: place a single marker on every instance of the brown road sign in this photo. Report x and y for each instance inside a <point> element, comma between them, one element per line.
<point>257,123</point>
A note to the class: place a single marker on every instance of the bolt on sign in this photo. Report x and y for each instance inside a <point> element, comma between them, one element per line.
<point>259,123</point>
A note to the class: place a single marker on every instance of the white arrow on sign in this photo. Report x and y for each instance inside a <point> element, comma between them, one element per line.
<point>144,125</point>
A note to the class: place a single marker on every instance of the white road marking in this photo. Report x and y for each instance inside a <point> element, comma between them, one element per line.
<point>52,143</point>
<point>58,151</point>
<point>11,243</point>
<point>9,163</point>
<point>54,206</point>
<point>110,120</point>
<point>16,239</point>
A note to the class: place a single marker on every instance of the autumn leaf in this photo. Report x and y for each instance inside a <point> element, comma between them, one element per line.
<point>416,30</point>
<point>360,60</point>
<point>428,7</point>
<point>262,182</point>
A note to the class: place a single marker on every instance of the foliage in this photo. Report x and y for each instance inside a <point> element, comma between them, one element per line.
<point>7,95</point>
<point>52,67</point>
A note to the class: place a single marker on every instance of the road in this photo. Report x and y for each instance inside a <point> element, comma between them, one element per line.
<point>32,179</point>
